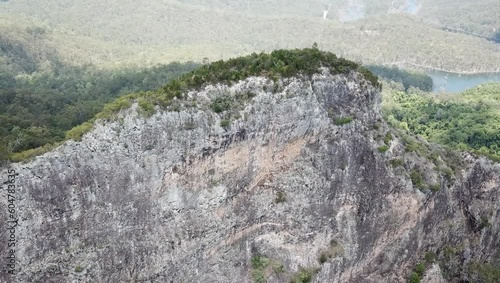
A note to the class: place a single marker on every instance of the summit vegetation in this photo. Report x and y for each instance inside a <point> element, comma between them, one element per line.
<point>42,111</point>
<point>277,64</point>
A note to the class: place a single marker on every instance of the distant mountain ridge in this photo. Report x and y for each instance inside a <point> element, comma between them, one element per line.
<point>163,31</point>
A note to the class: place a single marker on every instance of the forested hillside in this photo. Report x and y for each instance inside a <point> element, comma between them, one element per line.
<point>481,17</point>
<point>25,49</point>
<point>117,33</point>
<point>37,109</point>
<point>472,16</point>
<point>467,121</point>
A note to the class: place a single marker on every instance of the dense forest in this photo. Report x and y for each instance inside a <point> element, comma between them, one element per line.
<point>466,121</point>
<point>37,109</point>
<point>149,32</point>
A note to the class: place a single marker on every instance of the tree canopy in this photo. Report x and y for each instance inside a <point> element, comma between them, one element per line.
<point>466,121</point>
<point>37,109</point>
<point>279,63</point>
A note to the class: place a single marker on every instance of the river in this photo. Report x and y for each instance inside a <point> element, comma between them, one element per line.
<point>454,83</point>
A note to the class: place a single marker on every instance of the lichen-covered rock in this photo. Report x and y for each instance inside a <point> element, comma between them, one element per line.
<point>298,185</point>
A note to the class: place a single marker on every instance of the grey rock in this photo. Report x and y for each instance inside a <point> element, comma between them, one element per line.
<point>145,199</point>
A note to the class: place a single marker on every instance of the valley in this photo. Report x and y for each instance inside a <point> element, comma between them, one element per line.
<point>250,141</point>
<point>164,31</point>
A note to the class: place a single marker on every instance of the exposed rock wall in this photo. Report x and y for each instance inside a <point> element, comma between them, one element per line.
<point>175,197</point>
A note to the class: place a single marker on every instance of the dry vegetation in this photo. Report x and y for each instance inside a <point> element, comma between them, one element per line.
<point>132,32</point>
<point>480,17</point>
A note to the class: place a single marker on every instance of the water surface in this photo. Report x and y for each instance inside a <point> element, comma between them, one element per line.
<point>454,83</point>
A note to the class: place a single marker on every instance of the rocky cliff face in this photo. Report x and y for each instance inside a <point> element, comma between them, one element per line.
<point>291,189</point>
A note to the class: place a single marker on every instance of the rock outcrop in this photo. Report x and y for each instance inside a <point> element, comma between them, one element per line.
<point>300,185</point>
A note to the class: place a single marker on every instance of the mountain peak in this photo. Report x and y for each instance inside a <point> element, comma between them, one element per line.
<point>277,64</point>
<point>250,178</point>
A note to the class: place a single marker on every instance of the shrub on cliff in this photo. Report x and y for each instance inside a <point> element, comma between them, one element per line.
<point>279,63</point>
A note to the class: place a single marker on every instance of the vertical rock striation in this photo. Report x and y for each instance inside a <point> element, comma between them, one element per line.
<point>298,181</point>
